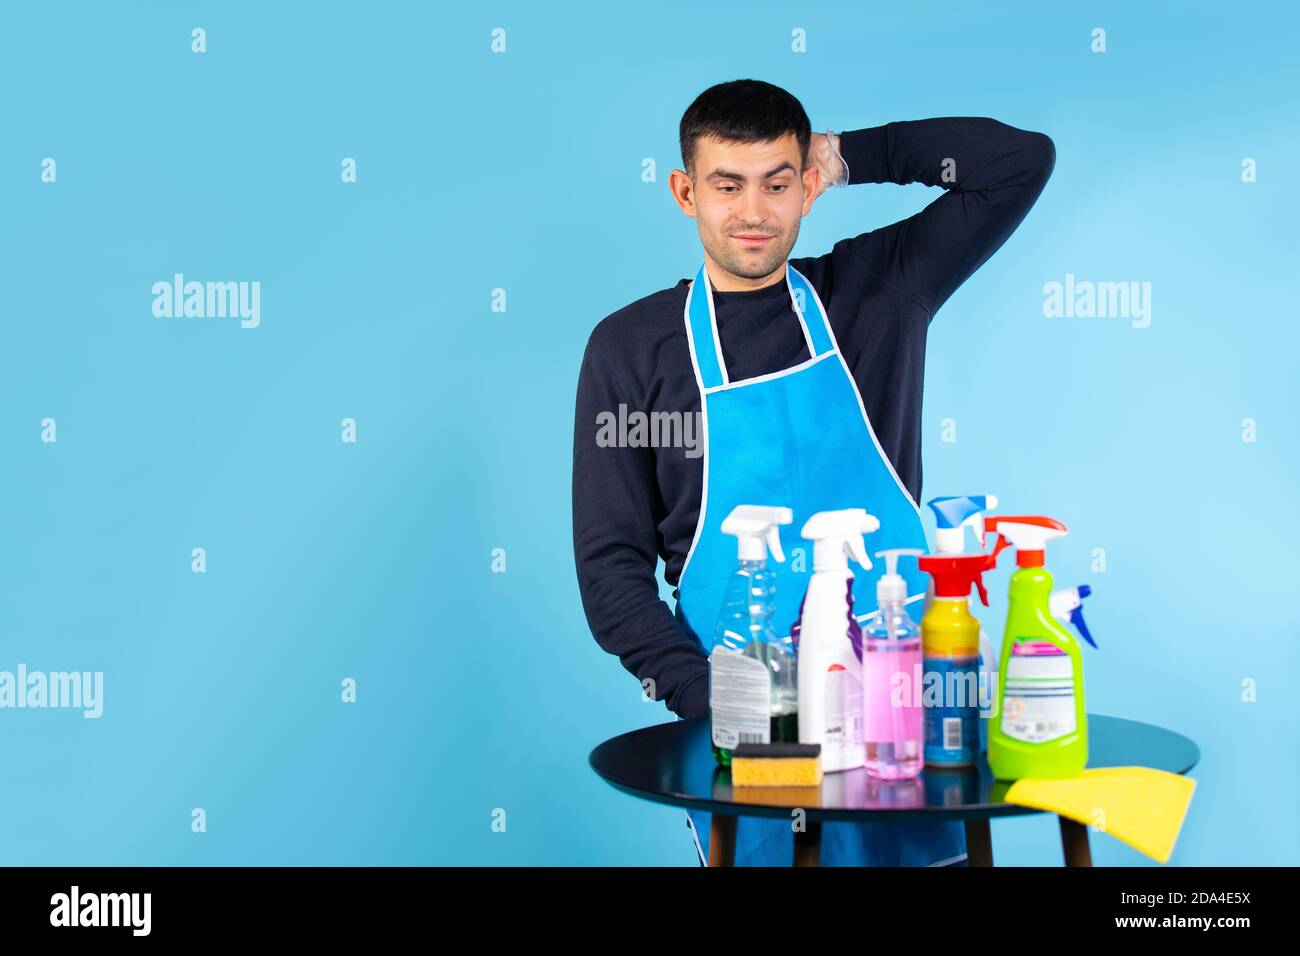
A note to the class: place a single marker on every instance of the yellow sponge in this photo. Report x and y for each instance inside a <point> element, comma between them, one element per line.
<point>776,765</point>
<point>1142,806</point>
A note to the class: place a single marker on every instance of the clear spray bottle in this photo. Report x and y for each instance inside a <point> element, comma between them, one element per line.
<point>752,679</point>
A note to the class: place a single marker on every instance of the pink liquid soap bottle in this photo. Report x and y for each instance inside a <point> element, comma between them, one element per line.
<point>893,728</point>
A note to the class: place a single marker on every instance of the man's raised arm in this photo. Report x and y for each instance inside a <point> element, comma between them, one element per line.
<point>991,173</point>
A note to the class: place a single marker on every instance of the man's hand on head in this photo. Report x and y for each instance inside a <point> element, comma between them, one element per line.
<point>824,152</point>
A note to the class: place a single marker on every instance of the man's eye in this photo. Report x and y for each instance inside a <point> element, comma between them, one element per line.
<point>780,187</point>
<point>728,188</point>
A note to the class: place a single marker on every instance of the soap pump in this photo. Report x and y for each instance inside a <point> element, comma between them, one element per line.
<point>892,729</point>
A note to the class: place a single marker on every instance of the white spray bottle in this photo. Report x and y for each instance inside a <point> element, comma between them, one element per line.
<point>952,516</point>
<point>829,640</point>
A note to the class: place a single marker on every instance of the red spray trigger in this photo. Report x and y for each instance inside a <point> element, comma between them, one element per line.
<point>955,573</point>
<point>991,561</point>
<point>1002,544</point>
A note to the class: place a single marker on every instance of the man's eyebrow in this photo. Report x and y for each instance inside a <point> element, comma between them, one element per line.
<point>727,174</point>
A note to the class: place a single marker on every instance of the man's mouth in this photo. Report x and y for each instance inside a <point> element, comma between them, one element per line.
<point>752,240</point>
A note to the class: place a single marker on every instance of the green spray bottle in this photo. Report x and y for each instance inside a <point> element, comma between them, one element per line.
<point>1041,728</point>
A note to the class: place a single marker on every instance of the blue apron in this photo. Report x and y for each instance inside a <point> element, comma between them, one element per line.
<point>799,438</point>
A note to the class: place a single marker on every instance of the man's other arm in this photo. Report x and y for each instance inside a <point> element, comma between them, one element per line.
<point>615,550</point>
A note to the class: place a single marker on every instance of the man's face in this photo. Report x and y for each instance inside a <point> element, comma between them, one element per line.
<point>748,201</point>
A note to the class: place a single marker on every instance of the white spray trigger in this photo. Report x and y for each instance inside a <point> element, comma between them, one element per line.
<point>774,543</point>
<point>756,530</point>
<point>857,550</point>
<point>837,536</point>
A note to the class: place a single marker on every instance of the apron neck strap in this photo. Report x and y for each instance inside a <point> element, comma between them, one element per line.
<point>702,325</point>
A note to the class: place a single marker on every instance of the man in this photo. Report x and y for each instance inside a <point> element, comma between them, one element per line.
<point>778,363</point>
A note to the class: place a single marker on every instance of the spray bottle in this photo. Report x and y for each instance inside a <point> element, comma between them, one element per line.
<point>752,683</point>
<point>952,516</point>
<point>892,731</point>
<point>1067,607</point>
<point>829,639</point>
<point>950,658</point>
<point>1041,729</point>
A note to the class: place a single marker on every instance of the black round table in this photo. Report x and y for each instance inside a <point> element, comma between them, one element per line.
<point>672,763</point>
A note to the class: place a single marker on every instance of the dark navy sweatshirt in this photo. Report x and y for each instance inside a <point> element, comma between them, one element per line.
<point>634,503</point>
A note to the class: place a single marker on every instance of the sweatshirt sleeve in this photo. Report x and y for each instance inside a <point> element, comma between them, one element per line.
<point>991,174</point>
<point>615,551</point>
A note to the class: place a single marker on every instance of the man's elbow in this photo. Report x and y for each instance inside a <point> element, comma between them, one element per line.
<point>1041,153</point>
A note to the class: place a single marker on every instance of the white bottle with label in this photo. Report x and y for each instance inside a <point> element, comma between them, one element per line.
<point>830,665</point>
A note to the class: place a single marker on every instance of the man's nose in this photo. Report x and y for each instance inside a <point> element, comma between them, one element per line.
<point>753,207</point>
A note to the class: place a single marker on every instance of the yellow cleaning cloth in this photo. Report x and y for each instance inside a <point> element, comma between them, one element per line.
<point>1143,807</point>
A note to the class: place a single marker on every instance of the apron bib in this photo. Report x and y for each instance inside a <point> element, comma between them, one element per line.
<point>798,438</point>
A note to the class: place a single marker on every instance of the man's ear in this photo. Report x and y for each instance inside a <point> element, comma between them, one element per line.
<point>812,186</point>
<point>679,184</point>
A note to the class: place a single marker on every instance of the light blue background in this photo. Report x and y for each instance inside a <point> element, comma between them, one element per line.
<point>522,171</point>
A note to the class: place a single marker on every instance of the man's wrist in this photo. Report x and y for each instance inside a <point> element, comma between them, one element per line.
<point>866,151</point>
<point>694,697</point>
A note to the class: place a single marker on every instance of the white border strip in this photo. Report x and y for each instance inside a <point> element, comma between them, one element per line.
<point>713,323</point>
<point>770,375</point>
<point>704,438</point>
<point>695,835</point>
<point>794,307</point>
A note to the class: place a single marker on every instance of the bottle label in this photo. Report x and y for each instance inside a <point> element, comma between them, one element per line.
<point>843,711</point>
<point>952,712</point>
<point>739,699</point>
<point>1038,700</point>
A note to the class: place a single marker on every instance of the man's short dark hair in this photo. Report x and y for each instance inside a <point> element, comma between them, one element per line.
<point>743,111</point>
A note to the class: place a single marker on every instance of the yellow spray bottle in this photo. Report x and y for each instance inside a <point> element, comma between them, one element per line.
<point>950,657</point>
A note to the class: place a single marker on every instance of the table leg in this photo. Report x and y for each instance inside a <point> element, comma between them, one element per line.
<point>1074,841</point>
<point>979,843</point>
<point>722,840</point>
<point>808,844</point>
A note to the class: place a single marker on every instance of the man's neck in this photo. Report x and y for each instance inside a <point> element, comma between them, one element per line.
<point>723,281</point>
